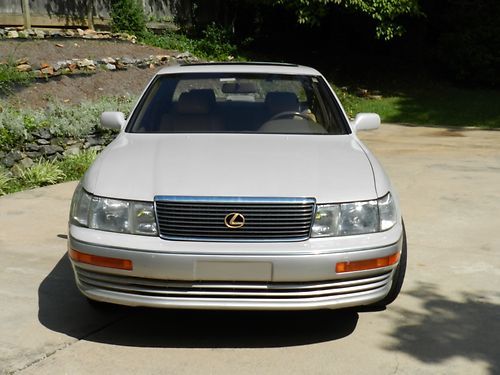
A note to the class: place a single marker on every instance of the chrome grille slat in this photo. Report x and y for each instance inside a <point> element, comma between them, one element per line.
<point>246,209</point>
<point>267,222</point>
<point>229,210</point>
<point>253,290</point>
<point>248,228</point>
<point>266,219</point>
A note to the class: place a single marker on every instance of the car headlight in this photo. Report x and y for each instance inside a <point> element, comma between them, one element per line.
<point>113,215</point>
<point>354,218</point>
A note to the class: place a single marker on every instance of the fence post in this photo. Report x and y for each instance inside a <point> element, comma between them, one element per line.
<point>90,14</point>
<point>26,14</point>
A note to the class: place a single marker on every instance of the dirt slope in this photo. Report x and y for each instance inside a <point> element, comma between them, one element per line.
<point>74,89</point>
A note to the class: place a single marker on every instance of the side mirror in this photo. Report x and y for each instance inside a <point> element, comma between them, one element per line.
<point>113,120</point>
<point>366,121</point>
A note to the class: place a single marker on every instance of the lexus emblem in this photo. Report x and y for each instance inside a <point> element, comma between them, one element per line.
<point>234,220</point>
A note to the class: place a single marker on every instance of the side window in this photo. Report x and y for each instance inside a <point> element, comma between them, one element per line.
<point>154,104</point>
<point>326,108</point>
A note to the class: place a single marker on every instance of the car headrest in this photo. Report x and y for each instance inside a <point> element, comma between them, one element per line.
<point>281,101</point>
<point>196,102</point>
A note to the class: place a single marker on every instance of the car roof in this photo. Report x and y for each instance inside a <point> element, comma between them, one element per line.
<point>241,67</point>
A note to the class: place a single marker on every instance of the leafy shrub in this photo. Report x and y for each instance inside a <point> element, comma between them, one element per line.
<point>12,127</point>
<point>41,174</point>
<point>62,120</point>
<point>127,16</point>
<point>74,166</point>
<point>215,43</point>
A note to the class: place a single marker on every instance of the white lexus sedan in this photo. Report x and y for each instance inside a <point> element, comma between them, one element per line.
<point>237,186</point>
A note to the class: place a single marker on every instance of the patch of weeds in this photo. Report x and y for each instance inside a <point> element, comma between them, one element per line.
<point>170,40</point>
<point>41,173</point>
<point>62,120</point>
<point>47,172</point>
<point>5,181</point>
<point>74,166</point>
<point>82,119</point>
<point>10,77</point>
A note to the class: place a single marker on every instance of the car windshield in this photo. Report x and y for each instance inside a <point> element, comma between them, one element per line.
<point>238,103</point>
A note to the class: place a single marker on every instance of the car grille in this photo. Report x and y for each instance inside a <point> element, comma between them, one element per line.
<point>232,290</point>
<point>265,219</point>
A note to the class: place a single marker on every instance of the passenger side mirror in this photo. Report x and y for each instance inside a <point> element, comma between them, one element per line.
<point>113,120</point>
<point>366,121</point>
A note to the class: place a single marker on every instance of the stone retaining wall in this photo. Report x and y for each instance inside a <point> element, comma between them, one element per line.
<point>42,144</point>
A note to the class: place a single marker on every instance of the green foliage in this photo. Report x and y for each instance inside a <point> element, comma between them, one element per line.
<point>430,104</point>
<point>170,40</point>
<point>14,125</point>
<point>127,16</point>
<point>11,77</point>
<point>74,166</point>
<point>214,43</point>
<point>62,120</point>
<point>41,174</point>
<point>384,12</point>
<point>78,121</point>
<point>47,172</point>
<point>469,47</point>
<point>5,180</point>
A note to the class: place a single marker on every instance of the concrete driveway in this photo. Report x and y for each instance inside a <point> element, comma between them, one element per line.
<point>447,320</point>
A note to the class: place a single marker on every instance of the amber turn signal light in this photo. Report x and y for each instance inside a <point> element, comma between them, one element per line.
<point>95,260</point>
<point>367,264</point>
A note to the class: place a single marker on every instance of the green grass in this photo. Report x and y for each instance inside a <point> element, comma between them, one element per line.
<point>431,106</point>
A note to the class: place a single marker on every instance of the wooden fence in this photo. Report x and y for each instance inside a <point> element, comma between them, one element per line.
<point>76,13</point>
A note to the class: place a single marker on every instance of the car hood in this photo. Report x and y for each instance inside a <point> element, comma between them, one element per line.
<point>140,166</point>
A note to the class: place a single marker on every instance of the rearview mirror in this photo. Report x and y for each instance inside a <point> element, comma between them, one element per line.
<point>113,120</point>
<point>239,88</point>
<point>366,121</point>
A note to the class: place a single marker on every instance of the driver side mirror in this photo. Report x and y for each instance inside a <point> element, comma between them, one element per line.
<point>366,121</point>
<point>113,120</point>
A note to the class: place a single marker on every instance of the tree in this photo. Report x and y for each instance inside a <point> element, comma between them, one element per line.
<point>127,16</point>
<point>384,12</point>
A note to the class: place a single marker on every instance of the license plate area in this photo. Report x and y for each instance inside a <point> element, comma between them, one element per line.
<point>233,271</point>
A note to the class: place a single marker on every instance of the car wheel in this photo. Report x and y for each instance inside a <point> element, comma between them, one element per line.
<point>398,277</point>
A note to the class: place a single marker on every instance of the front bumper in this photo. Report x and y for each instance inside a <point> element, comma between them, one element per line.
<point>267,276</point>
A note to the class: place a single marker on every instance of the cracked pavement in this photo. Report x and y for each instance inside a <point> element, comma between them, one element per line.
<point>445,321</point>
